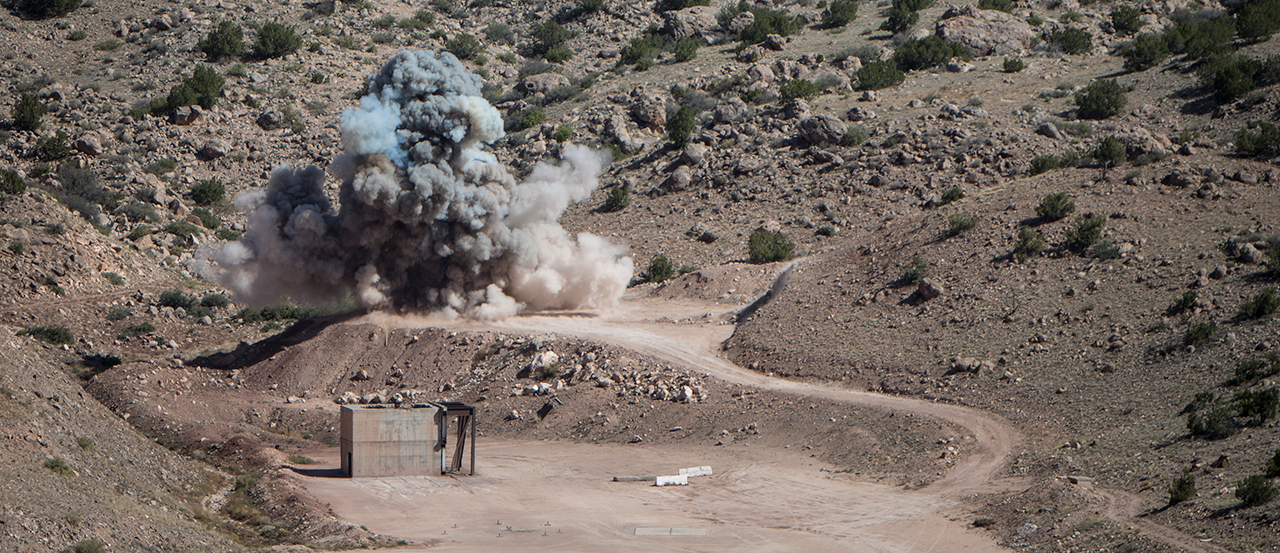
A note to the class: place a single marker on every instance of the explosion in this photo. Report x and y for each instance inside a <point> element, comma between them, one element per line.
<point>428,219</point>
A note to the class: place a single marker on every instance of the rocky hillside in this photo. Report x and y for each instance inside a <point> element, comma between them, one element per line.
<point>904,149</point>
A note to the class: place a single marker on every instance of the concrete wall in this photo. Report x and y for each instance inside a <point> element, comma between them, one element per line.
<point>389,441</point>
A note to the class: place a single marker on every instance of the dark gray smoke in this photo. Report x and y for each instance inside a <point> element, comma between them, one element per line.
<point>427,218</point>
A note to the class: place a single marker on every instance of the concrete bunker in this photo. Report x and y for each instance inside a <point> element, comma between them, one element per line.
<point>406,440</point>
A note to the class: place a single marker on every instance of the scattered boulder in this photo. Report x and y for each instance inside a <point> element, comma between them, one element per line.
<point>731,111</point>
<point>985,32</point>
<point>1180,179</point>
<point>88,145</point>
<point>680,179</point>
<point>213,149</point>
<point>187,115</point>
<point>1249,254</point>
<point>1050,130</point>
<point>740,22</point>
<point>360,375</point>
<point>542,83</point>
<point>697,21</point>
<point>270,120</point>
<point>971,366</point>
<point>859,113</point>
<point>693,154</point>
<point>928,289</point>
<point>1139,141</point>
<point>648,109</point>
<point>823,129</point>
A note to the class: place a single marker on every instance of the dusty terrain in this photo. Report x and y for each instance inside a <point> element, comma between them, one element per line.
<point>1034,406</point>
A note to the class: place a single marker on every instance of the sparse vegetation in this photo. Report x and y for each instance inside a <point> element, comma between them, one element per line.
<point>226,41</point>
<point>931,51</point>
<point>1126,19</point>
<point>915,271</point>
<point>1109,152</point>
<point>797,88</point>
<point>767,247</point>
<point>1265,143</point>
<point>55,335</point>
<point>1013,65</point>
<point>1072,41</point>
<point>1255,490</point>
<point>28,112</point>
<point>276,40</point>
<point>1201,333</point>
<point>1182,488</point>
<point>959,222</point>
<point>876,75</point>
<point>616,199</point>
<point>839,13</point>
<point>660,269</point>
<point>464,46</point>
<point>1030,243</point>
<point>119,314</point>
<point>58,465</point>
<point>208,192</point>
<point>1044,164</point>
<point>680,126</point>
<point>1055,206</point>
<point>1101,99</point>
<point>1086,232</point>
<point>1144,52</point>
<point>41,9</point>
<point>1262,305</point>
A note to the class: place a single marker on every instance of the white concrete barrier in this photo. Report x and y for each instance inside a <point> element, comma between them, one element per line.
<point>680,480</point>
<point>696,471</point>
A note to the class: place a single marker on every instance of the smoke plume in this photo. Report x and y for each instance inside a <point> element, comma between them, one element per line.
<point>427,219</point>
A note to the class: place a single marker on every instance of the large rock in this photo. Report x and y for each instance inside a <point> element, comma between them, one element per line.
<point>542,83</point>
<point>214,149</point>
<point>985,32</point>
<point>88,145</point>
<point>271,120</point>
<point>680,179</point>
<point>616,128</point>
<point>1139,141</point>
<point>1249,254</point>
<point>698,22</point>
<point>648,109</point>
<point>741,22</point>
<point>928,289</point>
<point>187,115</point>
<point>858,113</point>
<point>731,112</point>
<point>760,73</point>
<point>823,129</point>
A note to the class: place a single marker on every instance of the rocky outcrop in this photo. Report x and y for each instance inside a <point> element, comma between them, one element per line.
<point>985,32</point>
<point>542,83</point>
<point>823,129</point>
<point>698,22</point>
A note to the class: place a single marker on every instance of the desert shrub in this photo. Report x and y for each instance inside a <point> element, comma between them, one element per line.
<point>1203,39</point>
<point>839,13</point>
<point>81,191</point>
<point>52,147</point>
<point>226,41</point>
<point>28,112</point>
<point>1231,76</point>
<point>1258,20</point>
<point>1013,65</point>
<point>1030,243</point>
<point>914,5</point>
<point>1144,52</point>
<point>681,126</point>
<point>916,54</point>
<point>1101,99</point>
<point>953,194</point>
<point>900,20</point>
<point>1109,152</point>
<point>826,230</point>
<point>464,46</point>
<point>119,314</point>
<point>499,33</point>
<point>915,271</point>
<point>207,218</point>
<point>1201,333</point>
<point>660,269</point>
<point>1255,490</point>
<point>1072,40</point>
<point>56,335</point>
<point>1055,206</point>
<point>1185,302</point>
<point>617,199</point>
<point>208,192</point>
<point>1086,231</point>
<point>203,87</point>
<point>176,299</point>
<point>563,133</point>
<point>1272,468</point>
<point>227,234</point>
<point>558,54</point>
<point>46,8</point>
<point>880,74</point>
<point>686,48</point>
<point>673,5</point>
<point>11,182</point>
<point>1263,143</point>
<point>854,136</point>
<point>1216,424</point>
<point>797,88</point>
<point>1263,304</point>
<point>549,35</point>
<point>1253,368</point>
<point>58,465</point>
<point>1126,19</point>
<point>1002,5</point>
<point>276,40</point>
<point>1259,404</point>
<point>139,329</point>
<point>1182,488</point>
<point>766,247</point>
<point>1044,164</point>
<point>140,212</point>
<point>17,248</point>
<point>215,301</point>
<point>767,22</point>
<point>959,222</point>
<point>182,229</point>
